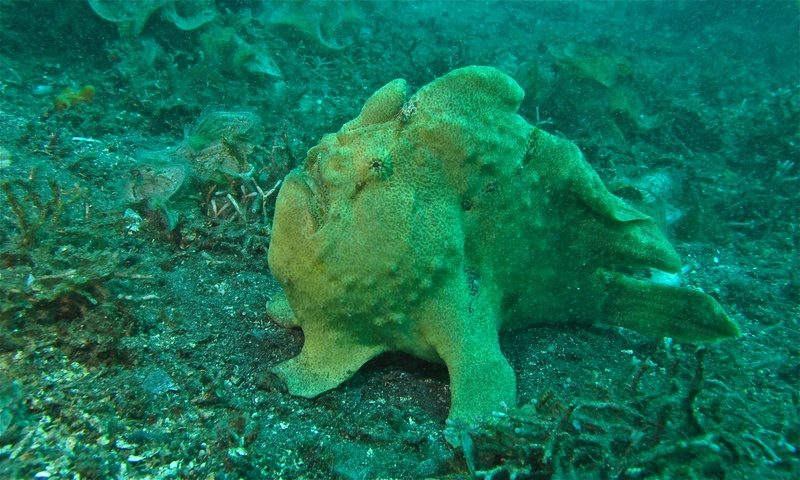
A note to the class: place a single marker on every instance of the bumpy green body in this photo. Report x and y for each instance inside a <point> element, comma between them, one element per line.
<point>429,223</point>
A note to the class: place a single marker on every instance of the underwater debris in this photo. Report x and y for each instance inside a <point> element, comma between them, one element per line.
<point>148,183</point>
<point>214,125</point>
<point>5,158</point>
<point>131,17</point>
<point>644,201</point>
<point>332,24</point>
<point>154,186</point>
<point>228,51</point>
<point>68,98</point>
<point>220,159</point>
<point>213,148</point>
<point>216,145</point>
<point>589,62</point>
<point>235,191</point>
<point>663,183</point>
<point>583,79</point>
<point>652,194</point>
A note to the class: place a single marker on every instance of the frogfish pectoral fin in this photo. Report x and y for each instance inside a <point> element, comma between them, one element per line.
<point>659,310</point>
<point>325,362</point>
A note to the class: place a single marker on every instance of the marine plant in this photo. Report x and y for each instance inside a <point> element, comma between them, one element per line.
<point>50,259</point>
<point>646,432</point>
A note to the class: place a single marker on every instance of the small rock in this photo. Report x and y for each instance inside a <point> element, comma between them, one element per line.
<point>159,382</point>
